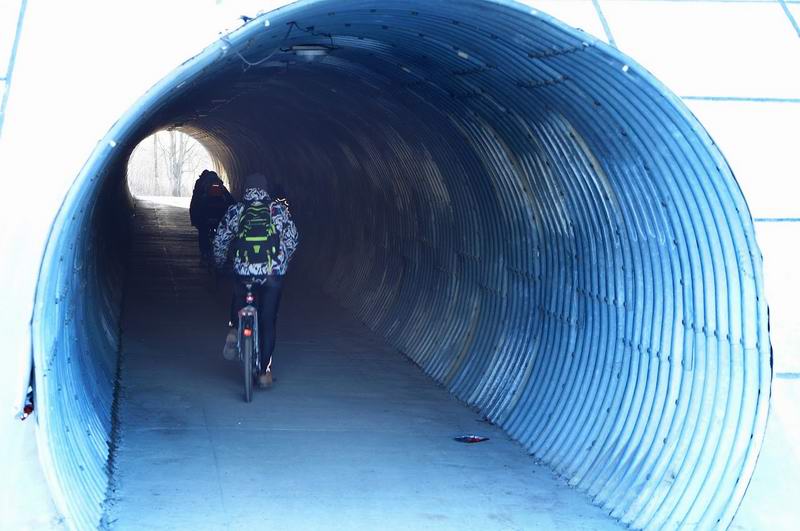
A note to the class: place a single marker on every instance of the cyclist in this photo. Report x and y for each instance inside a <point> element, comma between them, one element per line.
<point>210,201</point>
<point>263,237</point>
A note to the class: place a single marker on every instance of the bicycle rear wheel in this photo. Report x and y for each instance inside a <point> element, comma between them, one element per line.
<point>247,361</point>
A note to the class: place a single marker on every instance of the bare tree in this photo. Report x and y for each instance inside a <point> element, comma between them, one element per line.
<point>181,155</point>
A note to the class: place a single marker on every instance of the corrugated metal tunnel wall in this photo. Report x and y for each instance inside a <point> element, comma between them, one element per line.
<point>76,360</point>
<point>519,208</point>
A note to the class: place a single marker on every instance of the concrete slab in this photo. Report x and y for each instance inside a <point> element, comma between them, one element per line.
<point>352,436</point>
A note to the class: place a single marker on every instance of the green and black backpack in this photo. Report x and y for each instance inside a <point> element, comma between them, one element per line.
<point>258,241</point>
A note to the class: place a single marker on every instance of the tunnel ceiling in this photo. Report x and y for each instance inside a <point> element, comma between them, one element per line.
<point>523,211</point>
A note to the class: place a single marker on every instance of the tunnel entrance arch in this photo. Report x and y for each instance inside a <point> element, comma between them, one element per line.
<point>521,209</point>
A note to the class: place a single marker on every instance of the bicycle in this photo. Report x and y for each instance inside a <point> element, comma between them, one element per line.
<point>248,341</point>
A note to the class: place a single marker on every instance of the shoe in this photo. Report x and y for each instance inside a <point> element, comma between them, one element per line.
<point>265,379</point>
<point>230,351</point>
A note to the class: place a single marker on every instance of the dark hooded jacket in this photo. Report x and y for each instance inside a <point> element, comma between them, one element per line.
<point>205,210</point>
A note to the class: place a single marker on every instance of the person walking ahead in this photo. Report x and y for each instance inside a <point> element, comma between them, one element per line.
<point>210,201</point>
<point>263,237</point>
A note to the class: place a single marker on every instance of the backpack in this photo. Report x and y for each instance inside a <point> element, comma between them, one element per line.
<point>215,202</point>
<point>215,189</point>
<point>258,241</point>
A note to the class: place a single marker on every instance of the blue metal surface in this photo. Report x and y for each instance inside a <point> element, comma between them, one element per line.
<point>521,209</point>
<point>75,325</point>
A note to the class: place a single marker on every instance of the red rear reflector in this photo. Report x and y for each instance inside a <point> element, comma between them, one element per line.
<point>249,299</point>
<point>248,332</point>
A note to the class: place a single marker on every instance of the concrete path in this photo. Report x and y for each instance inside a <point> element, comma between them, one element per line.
<point>352,435</point>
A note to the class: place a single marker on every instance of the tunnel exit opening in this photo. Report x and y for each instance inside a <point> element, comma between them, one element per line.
<point>166,164</point>
<point>523,211</point>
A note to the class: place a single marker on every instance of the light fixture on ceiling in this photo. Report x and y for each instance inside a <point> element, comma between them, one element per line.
<point>309,52</point>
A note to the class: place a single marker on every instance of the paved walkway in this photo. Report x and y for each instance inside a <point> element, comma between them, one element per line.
<point>352,435</point>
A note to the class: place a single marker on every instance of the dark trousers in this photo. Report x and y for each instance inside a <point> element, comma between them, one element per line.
<point>204,241</point>
<point>267,299</point>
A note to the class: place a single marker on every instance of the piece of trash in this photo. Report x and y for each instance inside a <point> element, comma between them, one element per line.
<point>471,438</point>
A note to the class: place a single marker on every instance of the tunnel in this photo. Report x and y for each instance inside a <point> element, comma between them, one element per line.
<point>520,209</point>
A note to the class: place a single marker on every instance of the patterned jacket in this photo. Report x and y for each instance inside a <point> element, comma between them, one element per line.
<point>229,227</point>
